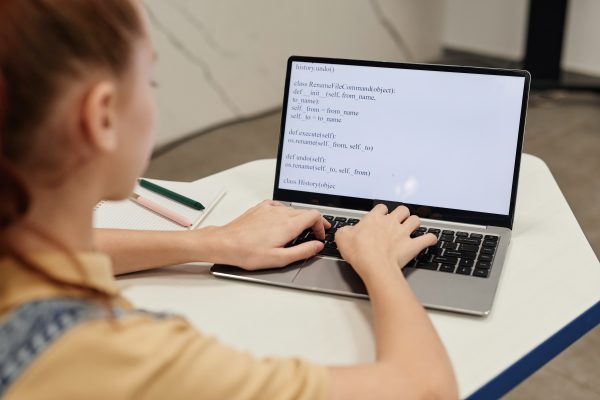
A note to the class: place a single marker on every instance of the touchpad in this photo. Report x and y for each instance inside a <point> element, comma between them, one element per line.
<point>331,275</point>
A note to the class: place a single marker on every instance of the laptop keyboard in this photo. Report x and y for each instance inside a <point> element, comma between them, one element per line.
<point>458,252</point>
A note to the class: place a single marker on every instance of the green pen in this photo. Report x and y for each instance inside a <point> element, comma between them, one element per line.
<point>170,194</point>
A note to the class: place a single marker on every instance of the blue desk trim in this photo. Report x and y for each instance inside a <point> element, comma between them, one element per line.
<point>539,356</point>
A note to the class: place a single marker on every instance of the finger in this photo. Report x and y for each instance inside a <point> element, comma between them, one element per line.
<point>300,212</point>
<point>269,202</point>
<point>326,223</point>
<point>314,220</point>
<point>401,213</point>
<point>340,234</point>
<point>411,223</point>
<point>379,209</point>
<point>302,251</point>
<point>424,241</point>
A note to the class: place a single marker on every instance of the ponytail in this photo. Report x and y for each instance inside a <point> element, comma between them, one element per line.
<point>42,45</point>
<point>15,202</point>
<point>14,196</point>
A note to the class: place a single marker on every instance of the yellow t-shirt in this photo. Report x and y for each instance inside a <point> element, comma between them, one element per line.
<point>139,356</point>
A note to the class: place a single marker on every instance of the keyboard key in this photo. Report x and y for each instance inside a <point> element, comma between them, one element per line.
<point>416,234</point>
<point>433,266</point>
<point>462,234</point>
<point>485,257</point>
<point>487,250</point>
<point>353,221</point>
<point>468,247</point>
<point>463,270</point>
<point>339,224</point>
<point>447,238</point>
<point>465,263</point>
<point>341,219</point>
<point>305,233</point>
<point>476,235</point>
<point>424,257</point>
<point>483,264</point>
<point>454,253</point>
<point>447,268</point>
<point>328,217</point>
<point>470,255</point>
<point>299,240</point>
<point>421,229</point>
<point>489,243</point>
<point>469,241</point>
<point>445,260</point>
<point>482,273</point>
<point>450,246</point>
<point>447,232</point>
<point>434,230</point>
<point>331,245</point>
<point>491,237</point>
<point>436,250</point>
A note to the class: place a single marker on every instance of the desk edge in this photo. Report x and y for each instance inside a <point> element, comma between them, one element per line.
<point>536,358</point>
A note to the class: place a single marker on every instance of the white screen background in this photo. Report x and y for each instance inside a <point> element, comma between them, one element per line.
<point>442,139</point>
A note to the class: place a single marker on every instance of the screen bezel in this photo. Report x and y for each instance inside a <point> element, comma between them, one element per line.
<point>440,213</point>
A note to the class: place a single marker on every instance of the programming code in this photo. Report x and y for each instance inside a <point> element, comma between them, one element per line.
<point>442,139</point>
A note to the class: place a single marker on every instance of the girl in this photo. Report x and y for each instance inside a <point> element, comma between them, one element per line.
<point>76,122</point>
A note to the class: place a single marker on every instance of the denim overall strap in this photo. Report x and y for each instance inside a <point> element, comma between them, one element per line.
<point>33,327</point>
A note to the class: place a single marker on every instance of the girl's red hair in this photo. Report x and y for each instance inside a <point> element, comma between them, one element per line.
<point>45,44</point>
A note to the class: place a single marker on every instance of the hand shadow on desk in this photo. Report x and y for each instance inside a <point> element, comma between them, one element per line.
<point>191,272</point>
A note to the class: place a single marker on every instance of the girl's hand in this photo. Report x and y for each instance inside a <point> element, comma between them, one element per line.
<point>382,240</point>
<point>256,239</point>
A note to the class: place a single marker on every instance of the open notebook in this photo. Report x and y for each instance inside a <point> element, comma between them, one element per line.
<point>126,214</point>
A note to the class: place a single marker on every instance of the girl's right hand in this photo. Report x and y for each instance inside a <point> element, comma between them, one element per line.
<point>381,242</point>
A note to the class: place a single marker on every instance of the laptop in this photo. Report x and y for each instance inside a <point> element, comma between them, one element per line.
<point>443,140</point>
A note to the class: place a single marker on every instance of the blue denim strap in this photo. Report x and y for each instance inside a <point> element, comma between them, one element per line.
<point>33,327</point>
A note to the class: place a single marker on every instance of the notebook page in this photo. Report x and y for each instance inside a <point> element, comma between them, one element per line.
<point>126,214</point>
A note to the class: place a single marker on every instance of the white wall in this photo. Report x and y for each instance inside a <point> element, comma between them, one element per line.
<point>499,28</point>
<point>492,27</point>
<point>222,60</point>
<point>582,48</point>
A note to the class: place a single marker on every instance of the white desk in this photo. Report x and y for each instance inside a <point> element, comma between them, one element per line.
<point>548,296</point>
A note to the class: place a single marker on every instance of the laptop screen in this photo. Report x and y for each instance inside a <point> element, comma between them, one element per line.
<point>434,138</point>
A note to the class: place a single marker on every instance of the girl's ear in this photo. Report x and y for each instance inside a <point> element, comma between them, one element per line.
<point>99,117</point>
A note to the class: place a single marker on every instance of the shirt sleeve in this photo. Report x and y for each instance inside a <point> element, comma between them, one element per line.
<point>141,357</point>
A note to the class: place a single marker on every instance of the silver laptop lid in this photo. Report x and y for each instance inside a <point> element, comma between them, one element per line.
<point>443,140</point>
